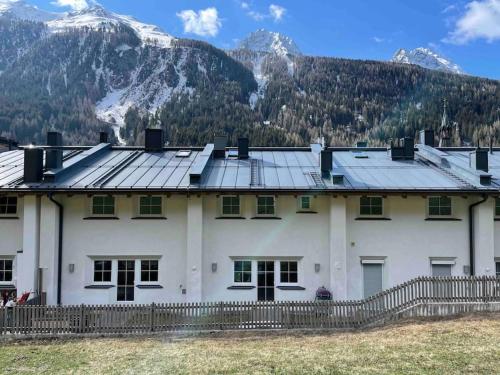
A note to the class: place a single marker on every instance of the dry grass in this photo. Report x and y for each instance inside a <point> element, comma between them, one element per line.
<point>463,346</point>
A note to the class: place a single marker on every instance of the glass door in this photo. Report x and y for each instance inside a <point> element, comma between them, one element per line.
<point>126,276</point>
<point>265,280</point>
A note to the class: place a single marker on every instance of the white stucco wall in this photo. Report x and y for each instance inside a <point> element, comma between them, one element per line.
<point>11,235</point>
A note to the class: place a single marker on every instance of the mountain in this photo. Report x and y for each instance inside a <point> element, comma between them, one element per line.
<point>90,70</point>
<point>270,42</point>
<point>23,11</point>
<point>426,58</point>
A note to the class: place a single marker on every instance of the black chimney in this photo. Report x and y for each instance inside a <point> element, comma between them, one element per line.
<point>427,137</point>
<point>409,148</point>
<point>220,144</point>
<point>479,159</point>
<point>242,148</point>
<point>103,137</point>
<point>325,163</point>
<point>33,165</point>
<point>154,140</point>
<point>54,157</point>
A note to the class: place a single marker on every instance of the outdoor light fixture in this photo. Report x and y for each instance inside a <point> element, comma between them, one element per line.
<point>71,268</point>
<point>316,267</point>
<point>214,267</point>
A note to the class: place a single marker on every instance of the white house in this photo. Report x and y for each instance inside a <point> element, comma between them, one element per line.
<point>109,224</point>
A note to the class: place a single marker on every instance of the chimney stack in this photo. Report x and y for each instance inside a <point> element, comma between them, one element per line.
<point>403,150</point>
<point>33,165</point>
<point>154,140</point>
<point>427,137</point>
<point>478,159</point>
<point>220,144</point>
<point>103,137</point>
<point>243,148</point>
<point>54,157</point>
<point>325,163</point>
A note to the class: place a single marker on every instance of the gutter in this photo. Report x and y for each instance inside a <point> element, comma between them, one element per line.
<point>471,233</point>
<point>60,246</point>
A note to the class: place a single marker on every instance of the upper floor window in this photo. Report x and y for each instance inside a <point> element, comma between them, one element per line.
<point>439,206</point>
<point>371,206</point>
<point>150,205</point>
<point>242,271</point>
<point>497,206</point>
<point>230,205</point>
<point>103,205</point>
<point>102,271</point>
<point>5,270</point>
<point>305,203</point>
<point>149,270</point>
<point>266,205</point>
<point>8,205</point>
<point>288,272</point>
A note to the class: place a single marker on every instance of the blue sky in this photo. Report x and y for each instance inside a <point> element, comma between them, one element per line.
<point>467,32</point>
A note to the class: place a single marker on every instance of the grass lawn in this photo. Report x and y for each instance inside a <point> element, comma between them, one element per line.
<point>469,345</point>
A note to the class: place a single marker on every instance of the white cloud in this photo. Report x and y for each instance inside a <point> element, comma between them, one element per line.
<point>73,4</point>
<point>376,39</point>
<point>277,12</point>
<point>481,20</point>
<point>205,22</point>
<point>256,15</point>
<point>244,5</point>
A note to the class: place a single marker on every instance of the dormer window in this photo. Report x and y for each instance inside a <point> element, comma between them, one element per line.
<point>103,205</point>
<point>439,206</point>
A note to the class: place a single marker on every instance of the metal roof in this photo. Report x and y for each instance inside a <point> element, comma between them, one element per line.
<point>269,169</point>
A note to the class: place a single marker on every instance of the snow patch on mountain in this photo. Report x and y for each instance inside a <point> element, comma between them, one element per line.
<point>271,42</point>
<point>96,17</point>
<point>22,10</point>
<point>426,58</point>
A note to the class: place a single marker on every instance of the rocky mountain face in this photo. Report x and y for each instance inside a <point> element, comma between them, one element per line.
<point>426,58</point>
<point>84,71</point>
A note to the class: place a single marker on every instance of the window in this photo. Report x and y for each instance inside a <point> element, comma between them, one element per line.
<point>497,264</point>
<point>371,206</point>
<point>103,205</point>
<point>150,206</point>
<point>439,206</point>
<point>305,203</point>
<point>242,271</point>
<point>497,206</point>
<point>265,206</point>
<point>149,271</point>
<point>288,272</point>
<point>5,270</point>
<point>102,271</point>
<point>8,205</point>
<point>230,205</point>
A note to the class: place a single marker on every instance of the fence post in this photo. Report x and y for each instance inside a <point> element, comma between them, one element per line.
<point>82,314</point>
<point>152,312</point>
<point>221,315</point>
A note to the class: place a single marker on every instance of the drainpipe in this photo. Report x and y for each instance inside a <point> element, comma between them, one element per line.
<point>60,246</point>
<point>471,233</point>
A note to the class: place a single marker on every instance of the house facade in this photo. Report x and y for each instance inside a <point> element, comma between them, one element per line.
<point>106,224</point>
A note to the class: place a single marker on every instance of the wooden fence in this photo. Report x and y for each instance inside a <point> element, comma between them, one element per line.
<point>424,296</point>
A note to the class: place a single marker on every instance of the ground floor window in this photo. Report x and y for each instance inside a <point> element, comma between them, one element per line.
<point>5,270</point>
<point>288,272</point>
<point>102,271</point>
<point>242,271</point>
<point>498,269</point>
<point>441,270</point>
<point>126,276</point>
<point>149,271</point>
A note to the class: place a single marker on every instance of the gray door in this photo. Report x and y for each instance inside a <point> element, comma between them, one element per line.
<point>372,279</point>
<point>441,270</point>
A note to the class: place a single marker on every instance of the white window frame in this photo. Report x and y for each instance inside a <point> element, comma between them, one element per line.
<point>371,205</point>
<point>428,201</point>
<point>300,208</point>
<point>497,203</point>
<point>221,202</point>
<point>138,206</point>
<point>257,206</point>
<point>142,282</point>
<point>8,282</point>
<point>279,282</point>
<point>252,266</point>
<point>93,271</point>
<point>91,206</point>
<point>17,207</point>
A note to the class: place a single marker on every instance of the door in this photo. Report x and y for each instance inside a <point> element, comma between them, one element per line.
<point>265,280</point>
<point>126,276</point>
<point>372,279</point>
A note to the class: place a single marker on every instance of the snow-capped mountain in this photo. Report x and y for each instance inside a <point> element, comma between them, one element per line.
<point>426,58</point>
<point>96,17</point>
<point>21,10</point>
<point>271,42</point>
